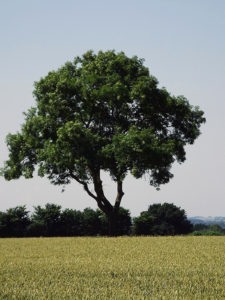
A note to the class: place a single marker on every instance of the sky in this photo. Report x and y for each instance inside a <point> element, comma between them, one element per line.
<point>183,44</point>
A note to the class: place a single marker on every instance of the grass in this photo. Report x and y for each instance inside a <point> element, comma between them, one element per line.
<point>113,268</point>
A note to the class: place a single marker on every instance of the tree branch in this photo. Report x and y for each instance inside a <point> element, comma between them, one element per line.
<point>90,118</point>
<point>120,194</point>
<point>101,203</point>
<point>84,185</point>
<point>99,191</point>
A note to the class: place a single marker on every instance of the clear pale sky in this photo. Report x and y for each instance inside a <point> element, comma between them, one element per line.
<point>183,44</point>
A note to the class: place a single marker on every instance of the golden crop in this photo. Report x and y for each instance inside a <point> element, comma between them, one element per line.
<point>113,268</point>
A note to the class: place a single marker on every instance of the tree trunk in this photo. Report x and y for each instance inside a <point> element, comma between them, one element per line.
<point>111,212</point>
<point>114,213</point>
<point>113,225</point>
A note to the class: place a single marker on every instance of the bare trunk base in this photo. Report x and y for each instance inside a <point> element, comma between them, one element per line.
<point>113,228</point>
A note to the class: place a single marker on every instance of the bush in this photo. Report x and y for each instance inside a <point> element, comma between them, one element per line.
<point>212,233</point>
<point>196,233</point>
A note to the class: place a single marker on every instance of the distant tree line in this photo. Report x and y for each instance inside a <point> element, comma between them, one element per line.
<point>51,220</point>
<point>204,229</point>
<point>208,220</point>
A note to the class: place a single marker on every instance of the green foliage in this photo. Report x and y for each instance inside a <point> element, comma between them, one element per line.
<point>52,221</point>
<point>212,233</point>
<point>91,222</point>
<point>162,219</point>
<point>199,227</point>
<point>14,221</point>
<point>217,228</point>
<point>71,222</point>
<point>123,222</point>
<point>47,219</point>
<point>36,229</point>
<point>196,233</point>
<point>102,111</point>
<point>208,230</point>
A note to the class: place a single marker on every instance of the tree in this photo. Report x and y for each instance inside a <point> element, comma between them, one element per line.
<point>123,222</point>
<point>46,221</point>
<point>102,112</point>
<point>143,225</point>
<point>14,221</point>
<point>71,222</point>
<point>90,222</point>
<point>162,219</point>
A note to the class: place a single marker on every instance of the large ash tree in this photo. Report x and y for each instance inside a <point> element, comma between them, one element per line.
<point>102,112</point>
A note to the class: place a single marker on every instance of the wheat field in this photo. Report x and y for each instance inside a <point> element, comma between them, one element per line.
<point>113,268</point>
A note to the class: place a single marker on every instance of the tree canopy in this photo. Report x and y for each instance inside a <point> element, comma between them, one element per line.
<point>162,219</point>
<point>102,112</point>
<point>14,221</point>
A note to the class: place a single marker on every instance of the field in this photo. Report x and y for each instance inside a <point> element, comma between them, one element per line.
<point>113,268</point>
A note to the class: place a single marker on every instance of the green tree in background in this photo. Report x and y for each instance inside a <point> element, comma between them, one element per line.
<point>204,229</point>
<point>162,219</point>
<point>71,222</point>
<point>91,222</point>
<point>45,221</point>
<point>14,221</point>
<point>102,112</point>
